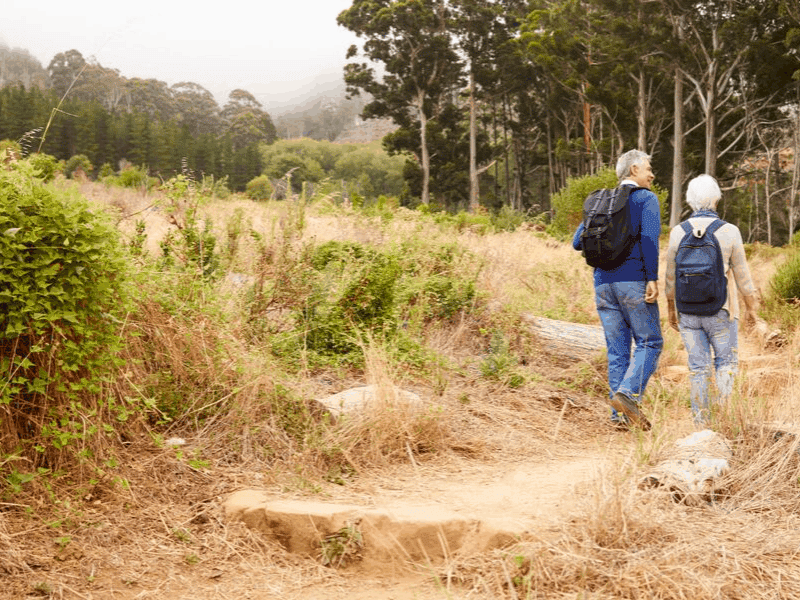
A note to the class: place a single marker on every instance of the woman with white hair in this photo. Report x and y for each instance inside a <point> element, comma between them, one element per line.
<point>714,330</point>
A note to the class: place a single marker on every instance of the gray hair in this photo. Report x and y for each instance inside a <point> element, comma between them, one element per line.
<point>703,193</point>
<point>627,160</point>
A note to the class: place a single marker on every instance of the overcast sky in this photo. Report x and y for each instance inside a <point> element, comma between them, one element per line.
<point>271,48</point>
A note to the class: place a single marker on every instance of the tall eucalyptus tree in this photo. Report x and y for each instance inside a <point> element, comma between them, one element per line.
<point>410,43</point>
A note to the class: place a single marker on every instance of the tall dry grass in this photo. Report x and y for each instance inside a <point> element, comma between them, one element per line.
<point>253,422</point>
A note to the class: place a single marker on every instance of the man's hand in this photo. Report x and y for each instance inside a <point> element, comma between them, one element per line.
<point>672,314</point>
<point>651,292</point>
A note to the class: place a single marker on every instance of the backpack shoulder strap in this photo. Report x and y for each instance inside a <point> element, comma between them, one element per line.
<point>716,224</point>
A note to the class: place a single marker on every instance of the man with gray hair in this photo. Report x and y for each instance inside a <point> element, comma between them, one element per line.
<point>626,296</point>
<point>707,329</point>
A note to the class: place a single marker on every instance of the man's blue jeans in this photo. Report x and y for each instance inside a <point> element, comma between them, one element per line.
<point>627,318</point>
<point>700,335</point>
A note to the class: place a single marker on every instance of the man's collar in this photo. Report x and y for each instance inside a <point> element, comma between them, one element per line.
<point>628,182</point>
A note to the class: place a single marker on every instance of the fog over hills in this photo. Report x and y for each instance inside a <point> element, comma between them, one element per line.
<point>329,85</point>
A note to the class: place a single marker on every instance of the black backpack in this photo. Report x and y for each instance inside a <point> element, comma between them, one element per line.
<point>607,237</point>
<point>701,286</point>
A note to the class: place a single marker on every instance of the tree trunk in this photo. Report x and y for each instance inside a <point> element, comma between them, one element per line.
<point>795,177</point>
<point>711,121</point>
<point>505,144</point>
<point>551,169</point>
<point>768,193</point>
<point>677,153</point>
<point>641,114</point>
<point>425,159</point>
<point>474,185</point>
<point>568,340</point>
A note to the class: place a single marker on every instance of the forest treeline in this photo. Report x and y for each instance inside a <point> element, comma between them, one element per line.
<point>497,103</point>
<point>504,101</point>
<point>114,120</point>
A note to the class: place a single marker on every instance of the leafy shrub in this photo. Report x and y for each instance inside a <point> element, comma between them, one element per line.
<point>567,203</point>
<point>10,150</point>
<point>133,177</point>
<point>62,281</point>
<point>214,188</point>
<point>193,247</point>
<point>45,166</point>
<point>259,188</point>
<point>785,283</point>
<point>79,161</point>
<point>355,290</point>
<point>300,168</point>
<point>105,171</point>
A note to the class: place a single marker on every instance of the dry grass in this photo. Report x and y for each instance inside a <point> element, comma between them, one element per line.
<point>164,533</point>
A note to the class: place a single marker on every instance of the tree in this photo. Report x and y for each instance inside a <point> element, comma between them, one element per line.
<point>150,96</point>
<point>195,107</point>
<point>246,121</point>
<point>410,38</point>
<point>64,70</point>
<point>20,67</point>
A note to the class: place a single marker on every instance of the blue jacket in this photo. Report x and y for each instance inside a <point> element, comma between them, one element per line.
<point>642,262</point>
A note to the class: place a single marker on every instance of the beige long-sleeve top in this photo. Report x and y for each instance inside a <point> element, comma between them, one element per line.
<point>733,257</point>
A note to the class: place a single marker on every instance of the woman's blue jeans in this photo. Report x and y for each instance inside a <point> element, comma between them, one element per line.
<point>701,335</point>
<point>627,319</point>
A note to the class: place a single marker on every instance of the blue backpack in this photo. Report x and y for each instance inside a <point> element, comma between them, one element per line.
<point>701,286</point>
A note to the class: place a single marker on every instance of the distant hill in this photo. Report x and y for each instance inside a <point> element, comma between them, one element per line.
<point>363,132</point>
<point>18,66</point>
<point>330,86</point>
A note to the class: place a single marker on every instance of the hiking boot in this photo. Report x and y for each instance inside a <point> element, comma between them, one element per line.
<point>624,405</point>
<point>620,422</point>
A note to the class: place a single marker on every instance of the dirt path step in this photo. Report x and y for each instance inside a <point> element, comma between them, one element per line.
<point>435,517</point>
<point>422,533</point>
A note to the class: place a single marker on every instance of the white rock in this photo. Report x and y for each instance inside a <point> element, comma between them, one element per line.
<point>360,399</point>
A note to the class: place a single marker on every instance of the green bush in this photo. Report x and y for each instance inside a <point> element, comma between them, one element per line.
<point>567,203</point>
<point>106,171</point>
<point>133,177</point>
<point>259,188</point>
<point>45,166</point>
<point>356,289</point>
<point>9,150</point>
<point>785,283</point>
<point>62,293</point>
<point>79,161</point>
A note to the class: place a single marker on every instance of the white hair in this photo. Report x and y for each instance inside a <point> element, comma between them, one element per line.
<point>703,193</point>
<point>626,161</point>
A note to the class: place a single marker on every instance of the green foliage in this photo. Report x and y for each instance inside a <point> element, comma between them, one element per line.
<point>62,286</point>
<point>78,161</point>
<point>106,170</point>
<point>567,203</point>
<point>365,170</point>
<point>133,177</point>
<point>280,161</point>
<point>193,247</point>
<point>341,547</point>
<point>10,149</point>
<point>391,293</point>
<point>45,166</point>
<point>212,187</point>
<point>785,283</point>
<point>259,188</point>
<point>500,364</point>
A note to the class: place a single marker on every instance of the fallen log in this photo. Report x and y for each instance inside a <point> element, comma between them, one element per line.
<point>574,341</point>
